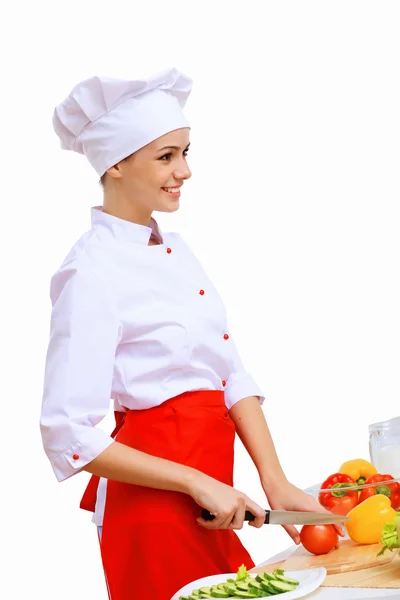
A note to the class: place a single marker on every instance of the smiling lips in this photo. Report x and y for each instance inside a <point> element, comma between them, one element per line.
<point>175,190</point>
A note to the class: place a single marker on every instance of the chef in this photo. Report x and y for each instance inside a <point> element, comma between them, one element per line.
<point>135,320</point>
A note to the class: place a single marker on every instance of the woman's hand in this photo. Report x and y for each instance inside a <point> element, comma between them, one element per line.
<point>286,496</point>
<point>225,503</point>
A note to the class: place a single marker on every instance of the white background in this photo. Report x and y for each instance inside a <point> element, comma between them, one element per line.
<point>293,208</point>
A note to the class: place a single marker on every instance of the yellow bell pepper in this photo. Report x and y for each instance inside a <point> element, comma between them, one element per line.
<point>359,469</point>
<point>369,518</point>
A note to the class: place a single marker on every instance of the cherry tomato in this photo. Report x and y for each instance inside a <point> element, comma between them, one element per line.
<point>319,539</point>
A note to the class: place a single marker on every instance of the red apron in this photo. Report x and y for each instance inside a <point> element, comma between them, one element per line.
<point>151,544</point>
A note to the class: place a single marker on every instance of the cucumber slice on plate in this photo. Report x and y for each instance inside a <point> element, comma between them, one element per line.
<point>288,580</point>
<point>282,586</point>
<point>255,585</point>
<point>242,586</point>
<point>218,594</point>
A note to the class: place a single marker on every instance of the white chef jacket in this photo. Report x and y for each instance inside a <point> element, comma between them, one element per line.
<point>134,323</point>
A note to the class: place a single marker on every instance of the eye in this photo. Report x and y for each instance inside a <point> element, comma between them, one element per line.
<point>168,156</point>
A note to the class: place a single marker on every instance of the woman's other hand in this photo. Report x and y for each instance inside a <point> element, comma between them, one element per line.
<point>286,496</point>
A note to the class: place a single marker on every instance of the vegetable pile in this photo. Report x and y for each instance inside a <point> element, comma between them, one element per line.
<point>370,508</point>
<point>338,496</point>
<point>245,586</point>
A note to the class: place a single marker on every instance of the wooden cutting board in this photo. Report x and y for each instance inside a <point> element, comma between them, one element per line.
<point>351,565</point>
<point>348,557</point>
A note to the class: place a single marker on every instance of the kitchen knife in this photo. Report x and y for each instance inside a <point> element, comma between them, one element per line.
<point>289,517</point>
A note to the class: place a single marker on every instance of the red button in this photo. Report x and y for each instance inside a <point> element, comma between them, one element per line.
<point>201,292</point>
<point>75,456</point>
<point>169,250</point>
<point>226,336</point>
<point>224,383</point>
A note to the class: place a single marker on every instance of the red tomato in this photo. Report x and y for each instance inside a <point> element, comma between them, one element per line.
<point>318,539</point>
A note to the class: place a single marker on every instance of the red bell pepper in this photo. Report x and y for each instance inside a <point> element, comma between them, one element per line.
<point>391,490</point>
<point>337,498</point>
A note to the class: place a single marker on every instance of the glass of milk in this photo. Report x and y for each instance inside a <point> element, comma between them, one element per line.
<point>384,446</point>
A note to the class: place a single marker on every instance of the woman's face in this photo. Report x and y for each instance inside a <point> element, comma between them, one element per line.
<point>152,176</point>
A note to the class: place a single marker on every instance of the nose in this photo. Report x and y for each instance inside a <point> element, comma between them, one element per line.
<point>182,172</point>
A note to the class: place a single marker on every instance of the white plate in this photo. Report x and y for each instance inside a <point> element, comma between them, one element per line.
<point>310,580</point>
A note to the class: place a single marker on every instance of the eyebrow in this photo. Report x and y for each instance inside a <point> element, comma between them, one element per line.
<point>172,148</point>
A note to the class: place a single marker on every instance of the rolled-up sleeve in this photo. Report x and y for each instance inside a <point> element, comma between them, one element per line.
<point>240,383</point>
<point>84,334</point>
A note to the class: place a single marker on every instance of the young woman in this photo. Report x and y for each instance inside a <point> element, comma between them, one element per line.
<point>136,320</point>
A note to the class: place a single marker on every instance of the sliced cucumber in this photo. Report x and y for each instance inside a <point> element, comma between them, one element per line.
<point>287,580</point>
<point>269,589</point>
<point>242,586</point>
<point>266,585</point>
<point>231,588</point>
<point>281,586</point>
<point>221,587</point>
<point>263,585</point>
<point>269,576</point>
<point>256,585</point>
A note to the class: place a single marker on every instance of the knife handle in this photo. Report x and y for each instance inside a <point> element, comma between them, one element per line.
<point>248,516</point>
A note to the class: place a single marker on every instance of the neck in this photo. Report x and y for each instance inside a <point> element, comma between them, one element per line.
<point>116,203</point>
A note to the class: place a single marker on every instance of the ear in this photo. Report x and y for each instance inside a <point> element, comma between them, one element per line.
<point>115,171</point>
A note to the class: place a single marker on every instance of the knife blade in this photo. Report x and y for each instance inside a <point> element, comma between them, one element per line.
<point>289,517</point>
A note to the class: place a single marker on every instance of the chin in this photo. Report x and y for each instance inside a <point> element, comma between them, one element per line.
<point>169,209</point>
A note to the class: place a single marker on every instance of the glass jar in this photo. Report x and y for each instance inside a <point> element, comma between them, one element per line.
<point>384,446</point>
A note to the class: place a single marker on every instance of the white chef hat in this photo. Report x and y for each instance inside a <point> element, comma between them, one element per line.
<point>109,119</point>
